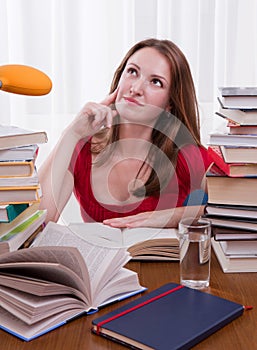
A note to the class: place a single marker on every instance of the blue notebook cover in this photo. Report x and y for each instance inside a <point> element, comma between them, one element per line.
<point>171,317</point>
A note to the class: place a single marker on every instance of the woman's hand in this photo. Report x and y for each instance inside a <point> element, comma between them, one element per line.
<point>93,117</point>
<point>159,218</point>
<point>162,218</point>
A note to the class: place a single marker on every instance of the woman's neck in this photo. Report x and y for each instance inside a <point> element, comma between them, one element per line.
<point>134,139</point>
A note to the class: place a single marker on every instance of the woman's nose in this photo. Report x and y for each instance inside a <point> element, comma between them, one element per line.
<point>137,87</point>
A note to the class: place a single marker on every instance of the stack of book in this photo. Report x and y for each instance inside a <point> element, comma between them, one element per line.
<point>232,181</point>
<point>20,217</point>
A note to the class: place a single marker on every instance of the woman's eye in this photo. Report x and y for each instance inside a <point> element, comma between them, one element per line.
<point>157,82</point>
<point>132,71</point>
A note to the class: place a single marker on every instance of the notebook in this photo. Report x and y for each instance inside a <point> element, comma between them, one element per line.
<point>170,317</point>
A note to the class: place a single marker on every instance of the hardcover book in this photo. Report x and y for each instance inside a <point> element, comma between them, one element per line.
<point>238,102</point>
<point>237,211</point>
<point>231,264</point>
<point>225,139</point>
<point>14,136</point>
<point>231,169</point>
<point>237,154</point>
<point>171,317</point>
<point>238,91</point>
<point>19,153</point>
<point>241,117</point>
<point>16,168</point>
<point>236,129</point>
<point>223,189</point>
<point>20,194</point>
<point>233,234</point>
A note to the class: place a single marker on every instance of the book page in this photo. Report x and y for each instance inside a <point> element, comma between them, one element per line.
<point>30,308</point>
<point>102,262</point>
<point>27,332</point>
<point>140,234</point>
<point>63,266</point>
<point>107,236</point>
<point>99,234</point>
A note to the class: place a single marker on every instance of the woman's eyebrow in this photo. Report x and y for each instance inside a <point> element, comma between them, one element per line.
<point>154,75</point>
<point>159,76</point>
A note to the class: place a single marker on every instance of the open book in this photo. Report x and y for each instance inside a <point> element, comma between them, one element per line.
<point>143,243</point>
<point>44,287</point>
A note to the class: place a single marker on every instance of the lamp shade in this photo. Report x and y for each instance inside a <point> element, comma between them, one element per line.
<point>24,80</point>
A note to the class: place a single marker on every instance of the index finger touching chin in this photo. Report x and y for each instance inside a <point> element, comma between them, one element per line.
<point>110,98</point>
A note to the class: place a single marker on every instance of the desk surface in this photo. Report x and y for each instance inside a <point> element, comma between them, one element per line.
<point>240,334</point>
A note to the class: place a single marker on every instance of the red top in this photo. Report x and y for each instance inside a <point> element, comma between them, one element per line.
<point>192,164</point>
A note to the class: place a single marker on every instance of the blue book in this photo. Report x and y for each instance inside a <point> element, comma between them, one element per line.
<point>10,211</point>
<point>171,317</point>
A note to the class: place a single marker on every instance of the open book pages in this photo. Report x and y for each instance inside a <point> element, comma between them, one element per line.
<point>43,287</point>
<point>143,243</point>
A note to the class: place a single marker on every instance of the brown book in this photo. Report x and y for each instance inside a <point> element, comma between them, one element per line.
<point>223,189</point>
<point>236,129</point>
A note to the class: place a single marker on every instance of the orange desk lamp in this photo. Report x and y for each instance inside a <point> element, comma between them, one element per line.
<point>24,80</point>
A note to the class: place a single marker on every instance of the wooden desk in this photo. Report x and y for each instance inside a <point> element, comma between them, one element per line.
<point>240,334</point>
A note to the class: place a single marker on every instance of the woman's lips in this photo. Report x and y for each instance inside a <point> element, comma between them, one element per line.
<point>132,100</point>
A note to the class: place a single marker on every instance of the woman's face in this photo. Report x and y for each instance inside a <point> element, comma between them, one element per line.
<point>144,87</point>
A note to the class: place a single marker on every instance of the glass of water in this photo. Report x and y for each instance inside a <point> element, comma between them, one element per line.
<point>195,252</point>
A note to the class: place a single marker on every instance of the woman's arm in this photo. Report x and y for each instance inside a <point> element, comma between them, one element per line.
<point>158,218</point>
<point>55,179</point>
<point>54,176</point>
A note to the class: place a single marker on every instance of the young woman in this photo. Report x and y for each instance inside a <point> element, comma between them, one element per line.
<point>135,158</point>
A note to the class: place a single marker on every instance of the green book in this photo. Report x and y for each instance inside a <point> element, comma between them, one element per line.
<point>10,211</point>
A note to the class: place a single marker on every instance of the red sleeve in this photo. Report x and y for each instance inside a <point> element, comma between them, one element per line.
<point>192,164</point>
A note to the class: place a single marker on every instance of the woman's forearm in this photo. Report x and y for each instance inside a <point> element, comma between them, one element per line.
<point>159,218</point>
<point>53,175</point>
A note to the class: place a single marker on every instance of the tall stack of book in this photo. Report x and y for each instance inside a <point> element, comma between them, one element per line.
<point>232,181</point>
<point>20,217</point>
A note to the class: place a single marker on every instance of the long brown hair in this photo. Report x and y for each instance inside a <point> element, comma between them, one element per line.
<point>172,130</point>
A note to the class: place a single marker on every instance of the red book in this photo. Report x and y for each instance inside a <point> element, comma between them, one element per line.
<point>231,169</point>
<point>237,129</point>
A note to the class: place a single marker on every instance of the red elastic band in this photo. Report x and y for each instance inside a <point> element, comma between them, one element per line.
<point>248,307</point>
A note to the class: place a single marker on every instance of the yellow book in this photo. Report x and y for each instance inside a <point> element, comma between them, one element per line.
<point>16,195</point>
<point>16,168</point>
